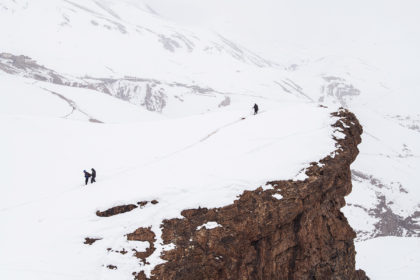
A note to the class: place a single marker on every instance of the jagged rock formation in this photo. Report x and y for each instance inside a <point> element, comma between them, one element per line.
<point>302,235</point>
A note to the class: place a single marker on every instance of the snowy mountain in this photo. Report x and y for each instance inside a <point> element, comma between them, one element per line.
<point>93,33</point>
<point>149,102</point>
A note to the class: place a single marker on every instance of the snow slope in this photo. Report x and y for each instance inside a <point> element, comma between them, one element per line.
<point>113,38</point>
<point>203,160</point>
<point>373,256</point>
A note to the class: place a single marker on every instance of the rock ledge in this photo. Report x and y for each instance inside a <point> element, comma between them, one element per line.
<point>302,235</point>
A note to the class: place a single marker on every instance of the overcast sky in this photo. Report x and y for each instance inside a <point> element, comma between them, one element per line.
<point>385,33</point>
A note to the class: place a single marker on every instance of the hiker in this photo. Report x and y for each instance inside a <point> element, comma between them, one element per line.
<point>255,109</point>
<point>87,176</point>
<point>92,180</point>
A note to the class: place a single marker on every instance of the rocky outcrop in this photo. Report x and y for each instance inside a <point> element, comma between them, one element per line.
<point>294,230</point>
<point>90,240</point>
<point>143,234</point>
<point>116,210</point>
<point>121,209</point>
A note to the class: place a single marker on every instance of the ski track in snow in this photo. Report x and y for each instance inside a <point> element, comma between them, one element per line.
<point>129,169</point>
<point>171,154</point>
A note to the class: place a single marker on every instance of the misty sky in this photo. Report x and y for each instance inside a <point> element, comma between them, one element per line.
<point>381,32</point>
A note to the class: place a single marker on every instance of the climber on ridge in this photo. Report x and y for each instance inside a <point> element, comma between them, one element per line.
<point>87,176</point>
<point>255,109</point>
<point>92,180</point>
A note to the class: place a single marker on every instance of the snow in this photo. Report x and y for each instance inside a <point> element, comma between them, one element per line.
<point>209,225</point>
<point>339,135</point>
<point>88,40</point>
<point>301,176</point>
<point>390,258</point>
<point>267,187</point>
<point>277,196</point>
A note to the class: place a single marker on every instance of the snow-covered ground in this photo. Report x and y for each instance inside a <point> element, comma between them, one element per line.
<point>203,160</point>
<point>373,256</point>
<point>117,86</point>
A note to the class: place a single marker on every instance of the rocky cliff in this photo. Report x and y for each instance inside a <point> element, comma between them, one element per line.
<point>291,230</point>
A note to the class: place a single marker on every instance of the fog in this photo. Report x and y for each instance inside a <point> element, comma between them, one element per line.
<point>383,33</point>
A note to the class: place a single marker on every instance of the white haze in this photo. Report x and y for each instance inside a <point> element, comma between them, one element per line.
<point>384,33</point>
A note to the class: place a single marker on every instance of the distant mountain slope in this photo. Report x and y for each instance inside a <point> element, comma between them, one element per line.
<point>104,38</point>
<point>26,97</point>
<point>170,98</point>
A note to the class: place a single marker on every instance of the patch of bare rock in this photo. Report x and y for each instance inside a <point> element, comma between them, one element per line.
<point>123,209</point>
<point>90,240</point>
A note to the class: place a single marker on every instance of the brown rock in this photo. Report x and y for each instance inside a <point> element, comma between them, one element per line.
<point>301,236</point>
<point>110,266</point>
<point>116,210</point>
<point>142,203</point>
<point>143,234</point>
<point>90,241</point>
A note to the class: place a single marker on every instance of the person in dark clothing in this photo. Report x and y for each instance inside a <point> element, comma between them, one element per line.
<point>255,109</point>
<point>92,180</point>
<point>87,176</point>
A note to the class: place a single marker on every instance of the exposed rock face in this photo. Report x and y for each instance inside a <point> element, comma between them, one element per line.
<point>302,235</point>
<point>116,210</point>
<point>90,241</point>
<point>143,234</point>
